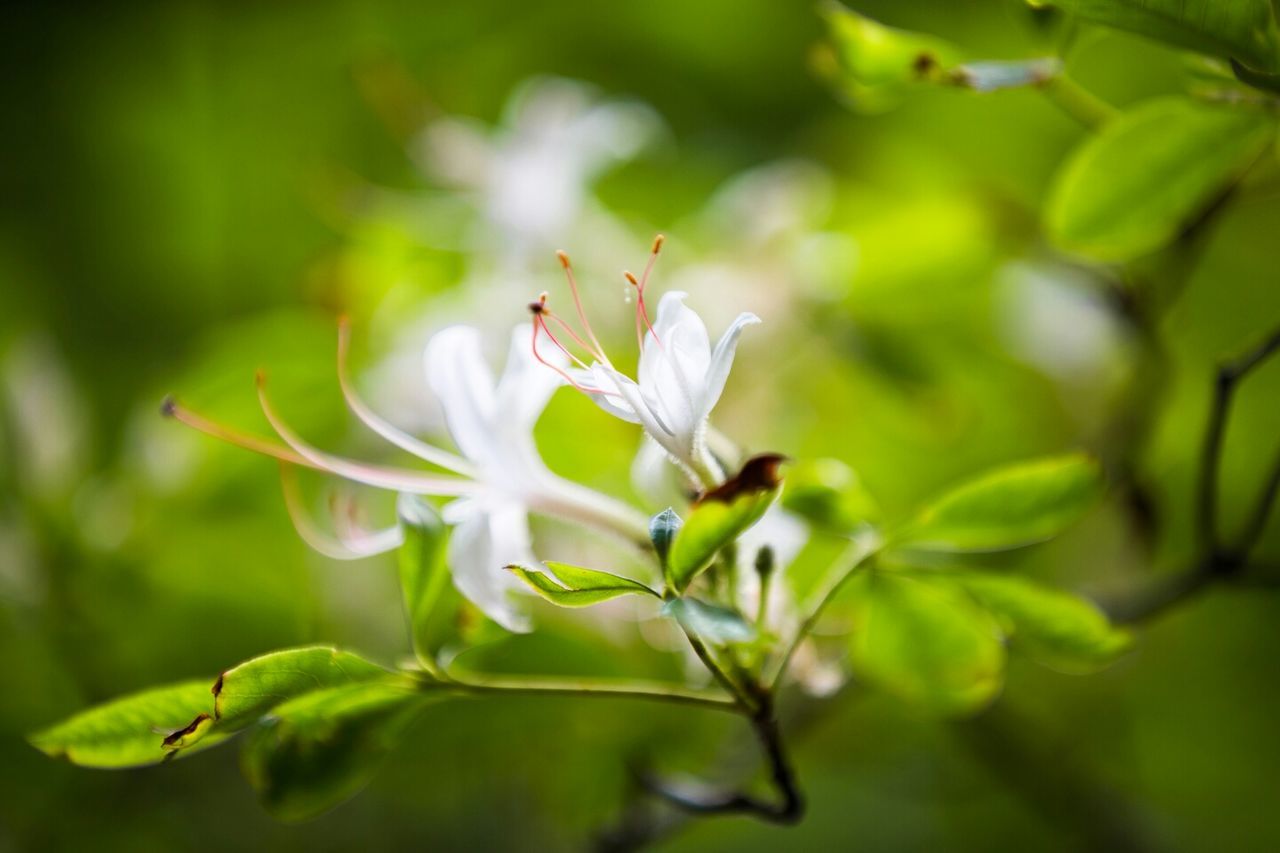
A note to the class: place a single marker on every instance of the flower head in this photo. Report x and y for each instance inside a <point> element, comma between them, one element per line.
<point>679,379</point>
<point>495,480</point>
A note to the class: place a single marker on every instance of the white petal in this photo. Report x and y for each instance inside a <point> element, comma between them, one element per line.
<point>597,378</point>
<point>355,545</point>
<point>674,363</point>
<point>722,361</point>
<point>461,380</point>
<point>479,549</point>
<point>526,385</point>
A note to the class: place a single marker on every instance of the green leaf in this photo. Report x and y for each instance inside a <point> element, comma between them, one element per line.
<point>1007,508</point>
<point>721,516</point>
<point>663,528</point>
<point>1060,630</point>
<point>424,575</point>
<point>876,64</point>
<point>829,493</point>
<point>131,731</point>
<point>318,750</point>
<point>1240,29</point>
<point>927,643</point>
<point>1145,177</point>
<point>573,586</point>
<point>255,687</point>
<point>717,625</point>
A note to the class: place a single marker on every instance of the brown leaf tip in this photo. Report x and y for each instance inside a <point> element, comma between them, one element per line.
<point>190,729</point>
<point>759,474</point>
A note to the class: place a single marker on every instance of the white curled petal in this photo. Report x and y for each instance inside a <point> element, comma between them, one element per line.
<point>354,544</point>
<point>674,362</point>
<point>526,385</point>
<point>599,380</point>
<point>478,569</point>
<point>461,380</point>
<point>722,362</point>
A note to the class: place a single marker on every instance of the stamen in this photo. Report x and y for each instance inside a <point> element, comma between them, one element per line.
<point>347,547</point>
<point>642,312</point>
<point>371,419</point>
<point>171,408</point>
<point>372,475</point>
<point>539,323</point>
<point>598,351</point>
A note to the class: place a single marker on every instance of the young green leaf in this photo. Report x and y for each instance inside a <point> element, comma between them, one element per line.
<point>663,528</point>
<point>829,493</point>
<point>573,586</point>
<point>925,642</point>
<point>721,516</point>
<point>255,687</point>
<point>1006,508</point>
<point>1134,186</point>
<point>876,64</point>
<point>132,731</point>
<point>424,576</point>
<point>1240,29</point>
<point>318,750</point>
<point>1060,630</point>
<point>717,625</point>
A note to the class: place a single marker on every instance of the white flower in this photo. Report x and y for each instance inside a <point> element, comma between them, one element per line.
<point>496,481</point>
<point>681,379</point>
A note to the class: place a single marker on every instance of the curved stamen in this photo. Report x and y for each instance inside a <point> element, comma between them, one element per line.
<point>598,351</point>
<point>375,422</point>
<point>371,475</point>
<point>347,547</point>
<point>172,409</point>
<point>539,323</point>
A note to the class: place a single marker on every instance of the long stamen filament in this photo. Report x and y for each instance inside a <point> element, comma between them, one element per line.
<point>171,408</point>
<point>540,324</point>
<point>598,351</point>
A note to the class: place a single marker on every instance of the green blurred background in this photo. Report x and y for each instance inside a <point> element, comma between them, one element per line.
<point>194,190</point>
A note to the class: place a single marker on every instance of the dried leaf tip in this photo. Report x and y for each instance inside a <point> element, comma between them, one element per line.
<point>758,474</point>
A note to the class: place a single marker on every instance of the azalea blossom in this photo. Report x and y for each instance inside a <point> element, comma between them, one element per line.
<point>496,479</point>
<point>679,379</point>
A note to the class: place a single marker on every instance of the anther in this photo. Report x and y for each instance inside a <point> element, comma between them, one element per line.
<point>564,258</point>
<point>657,243</point>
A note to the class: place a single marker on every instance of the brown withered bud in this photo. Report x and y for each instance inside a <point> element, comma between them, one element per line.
<point>758,474</point>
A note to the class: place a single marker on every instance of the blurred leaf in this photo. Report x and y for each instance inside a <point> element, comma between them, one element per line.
<point>258,685</point>
<point>130,731</point>
<point>1240,29</point>
<point>721,516</point>
<point>1060,630</point>
<point>876,64</point>
<point>1130,189</point>
<point>318,750</point>
<point>717,625</point>
<point>1008,507</point>
<point>578,587</point>
<point>829,493</point>
<point>424,576</point>
<point>926,643</point>
<point>663,528</point>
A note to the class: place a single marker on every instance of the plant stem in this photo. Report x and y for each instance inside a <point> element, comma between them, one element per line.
<point>849,561</point>
<point>1078,102</point>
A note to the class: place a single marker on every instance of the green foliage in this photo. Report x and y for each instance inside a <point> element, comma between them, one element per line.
<point>1240,29</point>
<point>1055,628</point>
<point>424,575</point>
<point>1130,189</point>
<point>830,494</point>
<point>720,517</point>
<point>573,586</point>
<point>1006,508</point>
<point>925,642</point>
<point>130,731</point>
<point>253,688</point>
<point>720,626</point>
<point>319,749</point>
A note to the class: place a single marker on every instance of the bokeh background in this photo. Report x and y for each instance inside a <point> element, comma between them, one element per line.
<point>195,190</point>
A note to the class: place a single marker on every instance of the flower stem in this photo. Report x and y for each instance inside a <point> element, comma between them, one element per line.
<point>1078,102</point>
